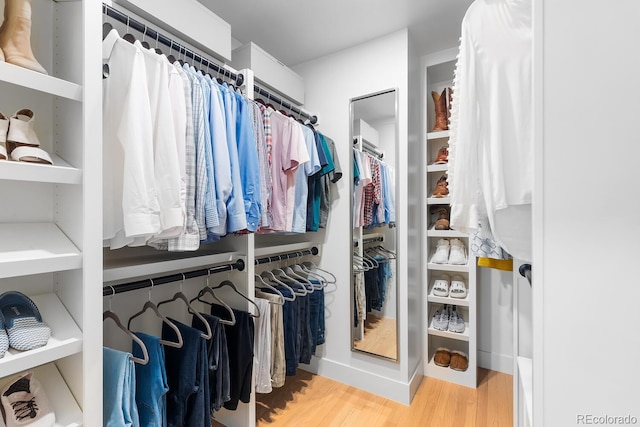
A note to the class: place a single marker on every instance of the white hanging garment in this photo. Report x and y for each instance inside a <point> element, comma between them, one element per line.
<point>491,139</point>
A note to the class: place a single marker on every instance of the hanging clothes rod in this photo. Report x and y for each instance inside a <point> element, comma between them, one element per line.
<point>147,283</point>
<point>156,36</point>
<point>366,240</point>
<point>297,254</point>
<point>276,100</point>
<point>367,147</point>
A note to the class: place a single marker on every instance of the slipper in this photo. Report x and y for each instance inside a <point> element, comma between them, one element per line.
<point>457,288</point>
<point>4,338</point>
<point>459,361</point>
<point>25,327</point>
<point>442,357</point>
<point>441,286</point>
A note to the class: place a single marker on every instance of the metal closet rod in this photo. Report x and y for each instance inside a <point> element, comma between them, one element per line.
<point>369,149</point>
<point>155,35</point>
<point>147,283</point>
<point>297,254</point>
<point>368,240</point>
<point>313,119</point>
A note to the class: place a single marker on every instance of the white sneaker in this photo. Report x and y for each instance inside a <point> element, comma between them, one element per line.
<point>441,319</point>
<point>441,256</point>
<point>457,253</point>
<point>25,403</point>
<point>456,322</point>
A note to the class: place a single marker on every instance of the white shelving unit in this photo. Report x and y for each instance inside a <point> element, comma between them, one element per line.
<point>51,216</point>
<point>438,75</point>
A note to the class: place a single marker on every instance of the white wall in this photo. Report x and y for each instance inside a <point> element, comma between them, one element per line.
<point>331,82</point>
<point>495,319</point>
<point>586,212</point>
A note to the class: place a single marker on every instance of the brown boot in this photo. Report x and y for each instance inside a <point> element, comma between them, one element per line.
<point>442,189</point>
<point>440,101</point>
<point>15,35</point>
<point>442,222</point>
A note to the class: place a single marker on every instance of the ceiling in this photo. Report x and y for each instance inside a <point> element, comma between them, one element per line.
<point>295,31</point>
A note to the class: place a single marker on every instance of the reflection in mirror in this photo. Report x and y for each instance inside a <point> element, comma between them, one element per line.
<point>374,133</point>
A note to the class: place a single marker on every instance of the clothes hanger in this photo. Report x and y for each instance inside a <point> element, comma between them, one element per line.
<point>207,290</point>
<point>284,275</point>
<point>299,268</point>
<point>230,284</point>
<point>301,289</point>
<point>106,29</point>
<point>157,49</point>
<point>150,305</point>
<point>291,273</point>
<point>370,259</point>
<point>109,314</point>
<point>260,281</point>
<point>181,296</point>
<point>310,264</point>
<point>129,37</point>
<point>360,262</point>
<point>145,43</point>
<point>171,58</point>
<point>270,276</point>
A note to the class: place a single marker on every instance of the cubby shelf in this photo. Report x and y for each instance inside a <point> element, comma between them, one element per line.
<point>464,336</point>
<point>448,267</point>
<point>463,302</point>
<point>65,340</point>
<point>68,413</point>
<point>438,168</point>
<point>24,77</point>
<point>432,232</point>
<point>447,374</point>
<point>58,173</point>
<point>34,248</point>
<point>439,200</point>
<point>441,134</point>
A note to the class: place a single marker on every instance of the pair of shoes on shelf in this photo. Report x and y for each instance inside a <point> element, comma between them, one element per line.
<point>15,36</point>
<point>442,188</point>
<point>442,220</point>
<point>19,140</point>
<point>454,288</point>
<point>21,325</point>
<point>456,360</point>
<point>442,104</point>
<point>442,157</point>
<point>450,251</point>
<point>449,319</point>
<point>25,403</point>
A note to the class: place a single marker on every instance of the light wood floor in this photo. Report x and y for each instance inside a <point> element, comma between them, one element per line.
<point>309,400</point>
<point>379,336</point>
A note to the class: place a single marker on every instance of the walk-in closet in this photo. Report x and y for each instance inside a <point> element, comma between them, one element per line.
<point>312,214</point>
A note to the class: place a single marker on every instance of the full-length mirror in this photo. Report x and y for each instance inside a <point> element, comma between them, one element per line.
<point>374,133</point>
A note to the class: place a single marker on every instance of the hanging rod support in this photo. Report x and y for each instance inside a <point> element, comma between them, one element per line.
<point>146,283</point>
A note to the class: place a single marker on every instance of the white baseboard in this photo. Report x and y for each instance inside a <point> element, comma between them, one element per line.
<point>416,380</point>
<point>495,362</point>
<point>367,381</point>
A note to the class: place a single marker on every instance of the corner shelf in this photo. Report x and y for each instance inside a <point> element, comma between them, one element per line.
<point>65,340</point>
<point>441,134</point>
<point>68,413</point>
<point>34,248</point>
<point>58,173</point>
<point>24,77</point>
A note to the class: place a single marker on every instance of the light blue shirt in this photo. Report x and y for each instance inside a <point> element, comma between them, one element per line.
<point>389,195</point>
<point>236,215</point>
<point>249,166</point>
<point>220,151</point>
<point>302,182</point>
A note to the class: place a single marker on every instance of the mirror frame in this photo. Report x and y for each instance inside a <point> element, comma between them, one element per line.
<point>395,91</point>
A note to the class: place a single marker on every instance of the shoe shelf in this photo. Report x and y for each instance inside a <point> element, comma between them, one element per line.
<point>438,168</point>
<point>443,373</point>
<point>448,267</point>
<point>58,173</point>
<point>24,77</point>
<point>442,134</point>
<point>460,336</point>
<point>439,200</point>
<point>463,302</point>
<point>432,232</point>
<point>34,248</point>
<point>65,340</point>
<point>127,263</point>
<point>64,405</point>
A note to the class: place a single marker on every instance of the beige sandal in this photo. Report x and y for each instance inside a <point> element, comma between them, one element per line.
<point>4,128</point>
<point>22,140</point>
